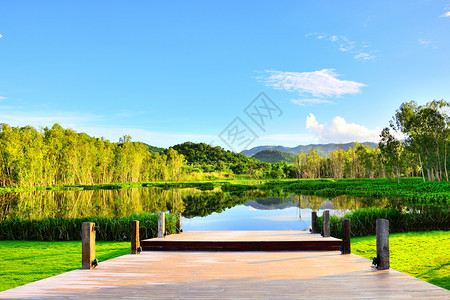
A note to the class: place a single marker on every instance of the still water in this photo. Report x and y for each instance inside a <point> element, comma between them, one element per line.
<point>201,210</point>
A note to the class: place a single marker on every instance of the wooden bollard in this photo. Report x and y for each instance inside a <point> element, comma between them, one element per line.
<point>179,223</point>
<point>326,223</point>
<point>313,221</point>
<point>135,243</point>
<point>382,229</point>
<point>161,224</point>
<point>88,260</point>
<point>346,236</point>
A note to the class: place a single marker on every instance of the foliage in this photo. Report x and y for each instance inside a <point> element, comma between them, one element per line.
<point>63,229</point>
<point>27,261</point>
<point>391,150</point>
<point>208,159</point>
<point>427,132</point>
<point>153,149</point>
<point>363,221</point>
<point>423,255</point>
<point>59,156</point>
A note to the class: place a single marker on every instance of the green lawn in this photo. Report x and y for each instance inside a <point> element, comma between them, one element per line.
<point>425,255</point>
<point>27,261</point>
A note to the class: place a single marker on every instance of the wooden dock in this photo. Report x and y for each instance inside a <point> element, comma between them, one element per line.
<point>219,275</point>
<point>242,241</point>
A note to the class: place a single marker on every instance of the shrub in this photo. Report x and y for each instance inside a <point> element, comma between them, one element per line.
<point>107,229</point>
<point>363,221</point>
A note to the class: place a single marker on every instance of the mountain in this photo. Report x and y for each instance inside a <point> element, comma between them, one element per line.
<point>322,149</point>
<point>273,156</point>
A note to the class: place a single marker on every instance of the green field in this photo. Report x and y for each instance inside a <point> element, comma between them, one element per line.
<point>424,255</point>
<point>26,261</point>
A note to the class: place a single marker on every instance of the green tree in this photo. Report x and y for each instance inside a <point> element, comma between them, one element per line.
<point>391,150</point>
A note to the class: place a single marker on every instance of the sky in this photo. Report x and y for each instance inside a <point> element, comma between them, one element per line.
<point>237,74</point>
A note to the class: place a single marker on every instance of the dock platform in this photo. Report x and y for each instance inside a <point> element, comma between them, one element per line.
<point>242,241</point>
<point>231,275</point>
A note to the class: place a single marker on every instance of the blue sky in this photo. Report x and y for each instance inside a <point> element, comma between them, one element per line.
<point>169,72</point>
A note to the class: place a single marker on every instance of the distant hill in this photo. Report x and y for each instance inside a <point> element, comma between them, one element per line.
<point>153,149</point>
<point>201,153</point>
<point>273,156</point>
<point>322,149</point>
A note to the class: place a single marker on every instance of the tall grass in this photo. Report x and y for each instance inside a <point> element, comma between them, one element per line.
<point>363,221</point>
<point>107,229</point>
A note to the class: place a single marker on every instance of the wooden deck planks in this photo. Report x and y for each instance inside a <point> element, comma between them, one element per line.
<point>300,275</point>
<point>295,274</point>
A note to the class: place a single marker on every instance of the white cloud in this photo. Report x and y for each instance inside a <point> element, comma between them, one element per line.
<point>427,44</point>
<point>446,15</point>
<point>339,131</point>
<point>1,36</point>
<point>364,56</point>
<point>305,102</point>
<point>2,98</point>
<point>346,45</point>
<point>323,83</point>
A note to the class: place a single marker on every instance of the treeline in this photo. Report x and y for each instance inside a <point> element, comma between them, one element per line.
<point>359,161</point>
<point>424,152</point>
<point>58,156</point>
<point>427,138</point>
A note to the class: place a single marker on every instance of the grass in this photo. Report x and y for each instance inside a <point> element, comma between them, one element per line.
<point>27,261</point>
<point>424,255</point>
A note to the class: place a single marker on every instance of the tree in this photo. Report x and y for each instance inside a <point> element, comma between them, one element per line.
<point>426,128</point>
<point>299,163</point>
<point>391,149</point>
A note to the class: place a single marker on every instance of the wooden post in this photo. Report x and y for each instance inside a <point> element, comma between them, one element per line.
<point>179,223</point>
<point>382,229</point>
<point>87,245</point>
<point>346,236</point>
<point>161,224</point>
<point>313,221</point>
<point>326,223</point>
<point>135,243</point>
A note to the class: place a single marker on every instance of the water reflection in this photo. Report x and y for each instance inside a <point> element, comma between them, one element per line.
<point>73,204</point>
<point>202,210</point>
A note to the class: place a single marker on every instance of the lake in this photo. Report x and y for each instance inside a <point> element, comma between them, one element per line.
<point>201,210</point>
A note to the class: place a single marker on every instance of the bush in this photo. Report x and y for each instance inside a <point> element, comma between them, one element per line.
<point>107,229</point>
<point>363,221</point>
